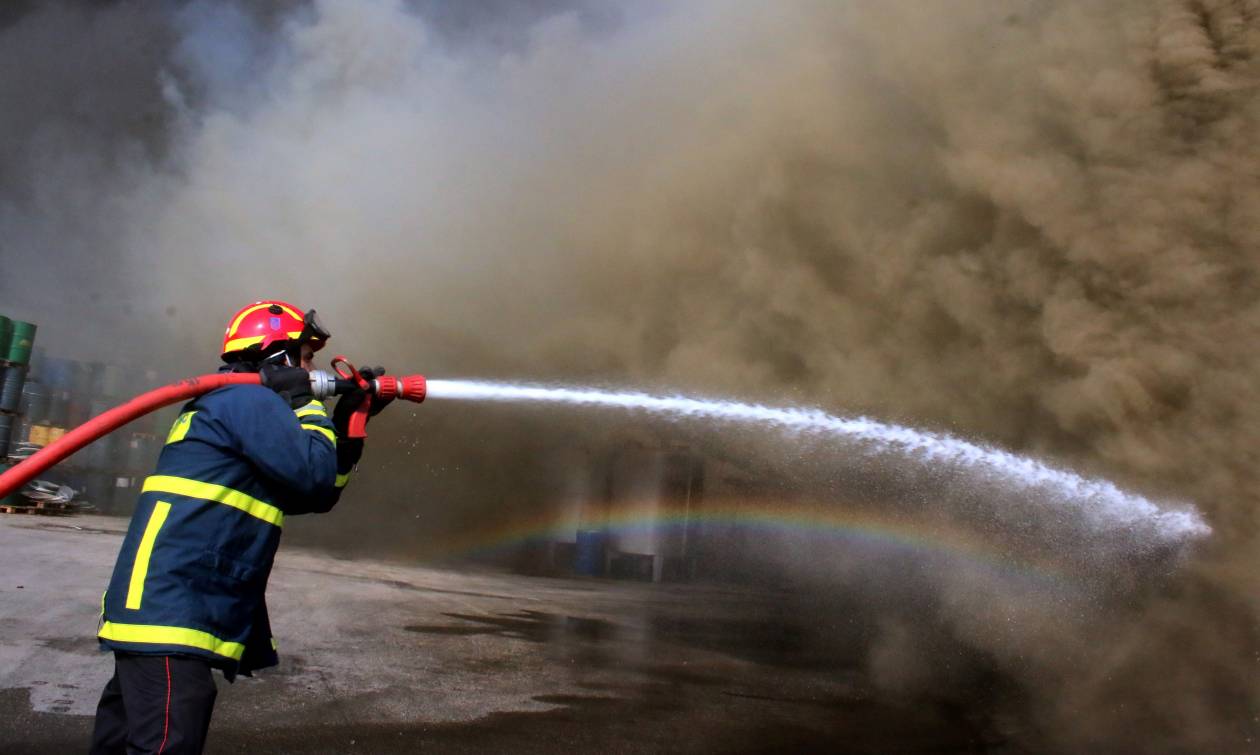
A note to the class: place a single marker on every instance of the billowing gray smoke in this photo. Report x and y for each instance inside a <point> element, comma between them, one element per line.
<point>1036,224</point>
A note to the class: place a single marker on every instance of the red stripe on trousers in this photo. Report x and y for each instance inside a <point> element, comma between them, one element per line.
<point>166,725</point>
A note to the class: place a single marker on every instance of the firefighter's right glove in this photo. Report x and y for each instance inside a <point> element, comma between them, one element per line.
<point>292,383</point>
<point>344,410</point>
<point>349,402</point>
<point>349,451</point>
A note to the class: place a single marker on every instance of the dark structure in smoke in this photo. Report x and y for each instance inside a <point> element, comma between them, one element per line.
<point>1035,225</point>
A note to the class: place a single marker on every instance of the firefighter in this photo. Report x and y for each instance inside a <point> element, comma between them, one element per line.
<point>187,592</point>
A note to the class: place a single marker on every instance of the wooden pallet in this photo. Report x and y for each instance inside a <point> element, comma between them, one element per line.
<point>47,508</point>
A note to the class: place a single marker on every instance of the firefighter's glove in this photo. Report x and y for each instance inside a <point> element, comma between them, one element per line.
<point>349,451</point>
<point>292,383</point>
<point>345,408</point>
<point>349,402</point>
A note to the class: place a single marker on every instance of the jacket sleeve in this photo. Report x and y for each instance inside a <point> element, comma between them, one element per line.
<point>294,448</point>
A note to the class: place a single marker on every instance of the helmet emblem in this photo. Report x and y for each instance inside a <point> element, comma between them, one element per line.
<point>275,323</point>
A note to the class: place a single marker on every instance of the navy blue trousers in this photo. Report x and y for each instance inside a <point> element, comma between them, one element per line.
<point>154,704</point>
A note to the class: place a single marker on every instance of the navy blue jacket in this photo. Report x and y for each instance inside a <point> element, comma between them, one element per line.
<point>192,573</point>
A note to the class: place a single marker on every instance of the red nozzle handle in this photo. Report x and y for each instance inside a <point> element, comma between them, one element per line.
<point>358,421</point>
<point>347,371</point>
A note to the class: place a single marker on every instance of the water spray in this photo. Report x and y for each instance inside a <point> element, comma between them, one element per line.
<point>1097,500</point>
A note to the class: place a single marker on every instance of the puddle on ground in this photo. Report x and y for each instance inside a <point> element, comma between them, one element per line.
<point>83,645</point>
<point>534,626</point>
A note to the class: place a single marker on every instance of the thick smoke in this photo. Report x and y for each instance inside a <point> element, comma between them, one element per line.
<point>1036,225</point>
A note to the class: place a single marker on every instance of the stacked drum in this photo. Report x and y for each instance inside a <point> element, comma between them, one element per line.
<point>41,397</point>
<point>17,339</point>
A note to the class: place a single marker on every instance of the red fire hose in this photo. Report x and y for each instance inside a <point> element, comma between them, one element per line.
<point>323,385</point>
<point>112,420</point>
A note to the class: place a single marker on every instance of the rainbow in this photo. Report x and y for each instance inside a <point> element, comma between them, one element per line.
<point>914,539</point>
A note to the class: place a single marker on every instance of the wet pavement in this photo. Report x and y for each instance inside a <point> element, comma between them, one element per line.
<point>384,658</point>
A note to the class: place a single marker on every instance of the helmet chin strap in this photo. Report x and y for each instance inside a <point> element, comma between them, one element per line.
<point>281,357</point>
<point>289,356</point>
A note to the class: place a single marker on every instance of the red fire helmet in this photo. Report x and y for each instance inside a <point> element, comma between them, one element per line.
<point>261,325</point>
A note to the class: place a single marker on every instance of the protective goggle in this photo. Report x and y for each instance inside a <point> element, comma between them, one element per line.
<point>313,331</point>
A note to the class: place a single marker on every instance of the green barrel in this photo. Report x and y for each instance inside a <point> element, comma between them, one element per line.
<point>19,351</point>
<point>6,334</point>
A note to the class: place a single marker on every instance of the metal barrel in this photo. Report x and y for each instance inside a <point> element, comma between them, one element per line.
<point>122,500</point>
<point>80,410</point>
<point>100,405</point>
<point>94,455</point>
<point>58,373</point>
<point>6,432</point>
<point>6,334</point>
<point>34,403</point>
<point>85,377</point>
<point>11,499</point>
<point>59,408</point>
<point>111,382</point>
<point>148,424</point>
<point>141,452</point>
<point>100,454</point>
<point>11,387</point>
<point>98,489</point>
<point>22,431</point>
<point>589,558</point>
<point>38,356</point>
<point>21,343</point>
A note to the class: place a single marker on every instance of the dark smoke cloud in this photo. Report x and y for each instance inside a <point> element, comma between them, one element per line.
<point>83,123</point>
<point>1035,225</point>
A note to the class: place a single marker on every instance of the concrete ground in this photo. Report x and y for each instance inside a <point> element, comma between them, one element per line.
<point>383,658</point>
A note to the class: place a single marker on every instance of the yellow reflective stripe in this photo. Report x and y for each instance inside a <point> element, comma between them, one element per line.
<point>239,344</point>
<point>140,569</point>
<point>311,411</point>
<point>261,305</point>
<point>159,635</point>
<point>329,434</point>
<point>274,645</point>
<point>217,493</point>
<point>180,429</point>
<point>342,480</point>
<point>245,313</point>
